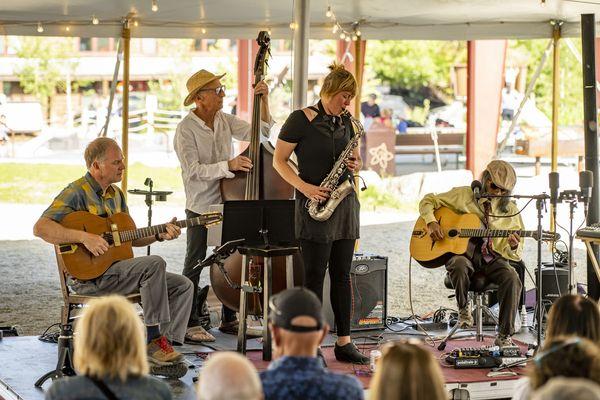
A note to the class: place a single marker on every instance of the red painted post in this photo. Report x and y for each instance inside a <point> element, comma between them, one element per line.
<point>485,79</point>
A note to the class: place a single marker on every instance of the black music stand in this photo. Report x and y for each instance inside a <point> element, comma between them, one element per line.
<point>268,229</point>
<point>160,195</point>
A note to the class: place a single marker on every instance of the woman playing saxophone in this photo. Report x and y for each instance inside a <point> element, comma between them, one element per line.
<point>319,135</point>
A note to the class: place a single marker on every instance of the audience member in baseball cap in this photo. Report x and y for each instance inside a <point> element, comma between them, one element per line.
<point>298,328</point>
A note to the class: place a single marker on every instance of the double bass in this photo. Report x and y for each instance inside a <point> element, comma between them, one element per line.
<point>262,182</point>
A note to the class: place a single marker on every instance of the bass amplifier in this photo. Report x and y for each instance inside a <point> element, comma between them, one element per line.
<point>368,278</point>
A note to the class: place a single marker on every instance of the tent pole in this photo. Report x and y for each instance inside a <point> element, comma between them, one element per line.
<point>555,91</point>
<point>126,35</point>
<point>590,129</point>
<point>300,60</point>
<point>555,103</point>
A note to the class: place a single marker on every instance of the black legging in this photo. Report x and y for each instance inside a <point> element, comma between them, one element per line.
<point>338,256</point>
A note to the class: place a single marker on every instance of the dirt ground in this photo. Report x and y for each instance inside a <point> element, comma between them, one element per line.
<point>30,293</point>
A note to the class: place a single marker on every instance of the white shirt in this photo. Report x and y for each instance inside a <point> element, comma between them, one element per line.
<point>203,155</point>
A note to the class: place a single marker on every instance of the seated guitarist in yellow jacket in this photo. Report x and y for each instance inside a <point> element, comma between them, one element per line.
<point>489,255</point>
<point>166,297</point>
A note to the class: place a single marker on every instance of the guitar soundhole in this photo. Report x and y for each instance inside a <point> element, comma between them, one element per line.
<point>108,237</point>
<point>453,232</point>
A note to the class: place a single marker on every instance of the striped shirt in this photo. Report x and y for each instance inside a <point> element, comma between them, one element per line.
<point>85,194</point>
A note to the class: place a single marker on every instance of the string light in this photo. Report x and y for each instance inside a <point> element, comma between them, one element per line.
<point>95,20</point>
<point>154,5</point>
<point>353,34</point>
<point>40,28</point>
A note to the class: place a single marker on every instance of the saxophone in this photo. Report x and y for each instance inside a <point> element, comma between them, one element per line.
<point>323,211</point>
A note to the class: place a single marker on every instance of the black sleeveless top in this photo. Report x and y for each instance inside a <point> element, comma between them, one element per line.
<point>318,145</point>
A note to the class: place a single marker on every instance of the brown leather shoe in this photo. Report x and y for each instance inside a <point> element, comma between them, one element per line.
<point>232,327</point>
<point>160,352</point>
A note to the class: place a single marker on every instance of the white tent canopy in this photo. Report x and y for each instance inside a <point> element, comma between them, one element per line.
<point>379,19</point>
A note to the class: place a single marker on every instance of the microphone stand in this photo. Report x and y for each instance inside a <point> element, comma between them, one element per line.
<point>572,197</point>
<point>540,203</point>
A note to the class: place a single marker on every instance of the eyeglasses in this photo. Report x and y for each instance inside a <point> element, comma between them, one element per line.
<point>217,90</point>
<point>493,186</point>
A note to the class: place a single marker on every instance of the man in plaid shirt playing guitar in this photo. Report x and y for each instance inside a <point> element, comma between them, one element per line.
<point>166,297</point>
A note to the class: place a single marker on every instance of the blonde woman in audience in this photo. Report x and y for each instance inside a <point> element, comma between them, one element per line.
<point>407,371</point>
<point>573,314</point>
<point>228,375</point>
<point>109,356</point>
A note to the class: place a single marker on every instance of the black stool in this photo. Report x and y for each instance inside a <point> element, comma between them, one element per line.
<point>479,285</point>
<point>267,253</point>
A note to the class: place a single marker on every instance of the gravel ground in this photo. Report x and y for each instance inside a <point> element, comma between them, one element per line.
<point>30,292</point>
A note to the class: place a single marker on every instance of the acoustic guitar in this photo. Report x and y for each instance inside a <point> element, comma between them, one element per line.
<point>457,229</point>
<point>119,231</point>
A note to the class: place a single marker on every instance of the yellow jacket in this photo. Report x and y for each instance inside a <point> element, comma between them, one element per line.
<point>461,200</point>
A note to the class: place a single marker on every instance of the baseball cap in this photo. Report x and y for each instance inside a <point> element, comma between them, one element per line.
<point>292,303</point>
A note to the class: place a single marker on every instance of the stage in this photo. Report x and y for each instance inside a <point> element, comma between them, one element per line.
<point>25,359</point>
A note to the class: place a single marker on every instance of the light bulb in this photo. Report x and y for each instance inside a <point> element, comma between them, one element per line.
<point>354,37</point>
<point>154,5</point>
<point>342,36</point>
<point>292,25</point>
<point>95,20</point>
<point>203,30</point>
<point>335,29</point>
<point>328,14</point>
<point>358,32</point>
<point>135,22</point>
<point>40,28</point>
<point>68,28</point>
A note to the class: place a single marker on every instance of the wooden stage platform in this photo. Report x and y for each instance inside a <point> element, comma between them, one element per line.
<point>24,359</point>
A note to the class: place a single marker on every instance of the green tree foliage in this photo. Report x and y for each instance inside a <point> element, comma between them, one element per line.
<point>171,90</point>
<point>570,87</point>
<point>42,72</point>
<point>413,65</point>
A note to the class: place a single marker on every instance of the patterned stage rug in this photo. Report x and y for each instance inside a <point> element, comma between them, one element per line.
<point>451,374</point>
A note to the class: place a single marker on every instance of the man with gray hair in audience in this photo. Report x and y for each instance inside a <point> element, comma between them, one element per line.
<point>298,328</point>
<point>228,375</point>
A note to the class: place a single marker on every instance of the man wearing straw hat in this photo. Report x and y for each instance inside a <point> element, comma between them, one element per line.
<point>492,254</point>
<point>203,143</point>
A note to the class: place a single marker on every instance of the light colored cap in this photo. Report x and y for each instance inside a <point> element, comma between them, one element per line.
<point>197,82</point>
<point>502,174</point>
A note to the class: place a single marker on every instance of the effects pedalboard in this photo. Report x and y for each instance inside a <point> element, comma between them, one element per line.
<point>484,357</point>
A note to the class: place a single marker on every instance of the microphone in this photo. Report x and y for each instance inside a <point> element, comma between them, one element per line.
<point>586,183</point>
<point>476,187</point>
<point>553,182</point>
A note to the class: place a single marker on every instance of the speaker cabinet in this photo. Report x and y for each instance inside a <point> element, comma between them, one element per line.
<point>368,278</point>
<point>555,282</point>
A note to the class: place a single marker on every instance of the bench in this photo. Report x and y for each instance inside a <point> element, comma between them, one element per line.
<point>422,143</point>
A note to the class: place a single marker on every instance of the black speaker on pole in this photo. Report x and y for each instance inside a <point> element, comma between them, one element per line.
<point>368,278</point>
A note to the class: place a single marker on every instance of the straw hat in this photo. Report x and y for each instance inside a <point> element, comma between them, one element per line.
<point>197,82</point>
<point>503,174</point>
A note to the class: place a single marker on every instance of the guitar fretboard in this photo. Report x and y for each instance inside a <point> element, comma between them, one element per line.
<point>133,234</point>
<point>494,232</point>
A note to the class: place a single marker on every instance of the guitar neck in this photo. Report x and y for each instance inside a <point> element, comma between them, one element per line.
<point>134,234</point>
<point>494,233</point>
